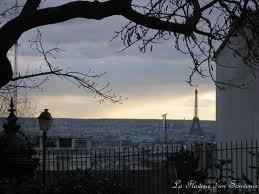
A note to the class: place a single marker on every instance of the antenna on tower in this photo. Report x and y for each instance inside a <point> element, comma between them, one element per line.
<point>15,61</point>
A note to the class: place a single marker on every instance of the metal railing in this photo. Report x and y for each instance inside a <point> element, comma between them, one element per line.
<point>155,169</point>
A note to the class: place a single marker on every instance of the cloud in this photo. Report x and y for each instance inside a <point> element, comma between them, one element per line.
<point>154,82</point>
<point>177,106</point>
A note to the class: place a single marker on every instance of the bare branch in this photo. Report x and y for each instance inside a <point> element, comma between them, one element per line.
<point>30,7</point>
<point>81,80</point>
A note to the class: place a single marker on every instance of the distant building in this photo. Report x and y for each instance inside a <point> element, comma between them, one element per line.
<point>61,143</point>
<point>196,127</point>
<point>63,152</point>
<point>237,110</point>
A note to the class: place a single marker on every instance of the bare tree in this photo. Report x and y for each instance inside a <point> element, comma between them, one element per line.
<point>88,80</point>
<point>195,27</point>
<point>27,107</point>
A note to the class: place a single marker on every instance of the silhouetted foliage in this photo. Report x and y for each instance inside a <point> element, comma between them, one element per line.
<point>76,183</point>
<point>185,165</point>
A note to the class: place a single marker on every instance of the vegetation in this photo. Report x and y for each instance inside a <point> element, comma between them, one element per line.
<point>76,183</point>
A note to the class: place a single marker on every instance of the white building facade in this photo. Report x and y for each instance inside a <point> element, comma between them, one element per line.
<point>237,106</point>
<point>237,110</point>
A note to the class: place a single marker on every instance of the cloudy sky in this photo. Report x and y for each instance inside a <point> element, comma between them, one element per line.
<point>154,82</point>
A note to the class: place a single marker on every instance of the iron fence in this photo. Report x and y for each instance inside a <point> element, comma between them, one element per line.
<point>230,167</point>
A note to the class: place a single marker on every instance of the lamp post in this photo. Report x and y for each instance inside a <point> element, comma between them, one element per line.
<point>165,126</point>
<point>45,120</point>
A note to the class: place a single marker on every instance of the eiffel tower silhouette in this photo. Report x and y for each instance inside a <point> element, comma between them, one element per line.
<point>196,128</point>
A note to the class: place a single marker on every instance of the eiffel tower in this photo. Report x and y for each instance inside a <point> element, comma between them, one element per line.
<point>196,128</point>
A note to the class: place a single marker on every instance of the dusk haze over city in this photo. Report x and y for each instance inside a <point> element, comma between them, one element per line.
<point>129,96</point>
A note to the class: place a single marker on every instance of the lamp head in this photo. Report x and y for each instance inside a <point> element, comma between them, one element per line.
<point>45,120</point>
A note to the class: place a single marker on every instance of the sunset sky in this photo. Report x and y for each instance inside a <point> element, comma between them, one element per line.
<point>154,82</point>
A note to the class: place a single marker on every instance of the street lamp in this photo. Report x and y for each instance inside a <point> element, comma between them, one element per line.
<point>45,120</point>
